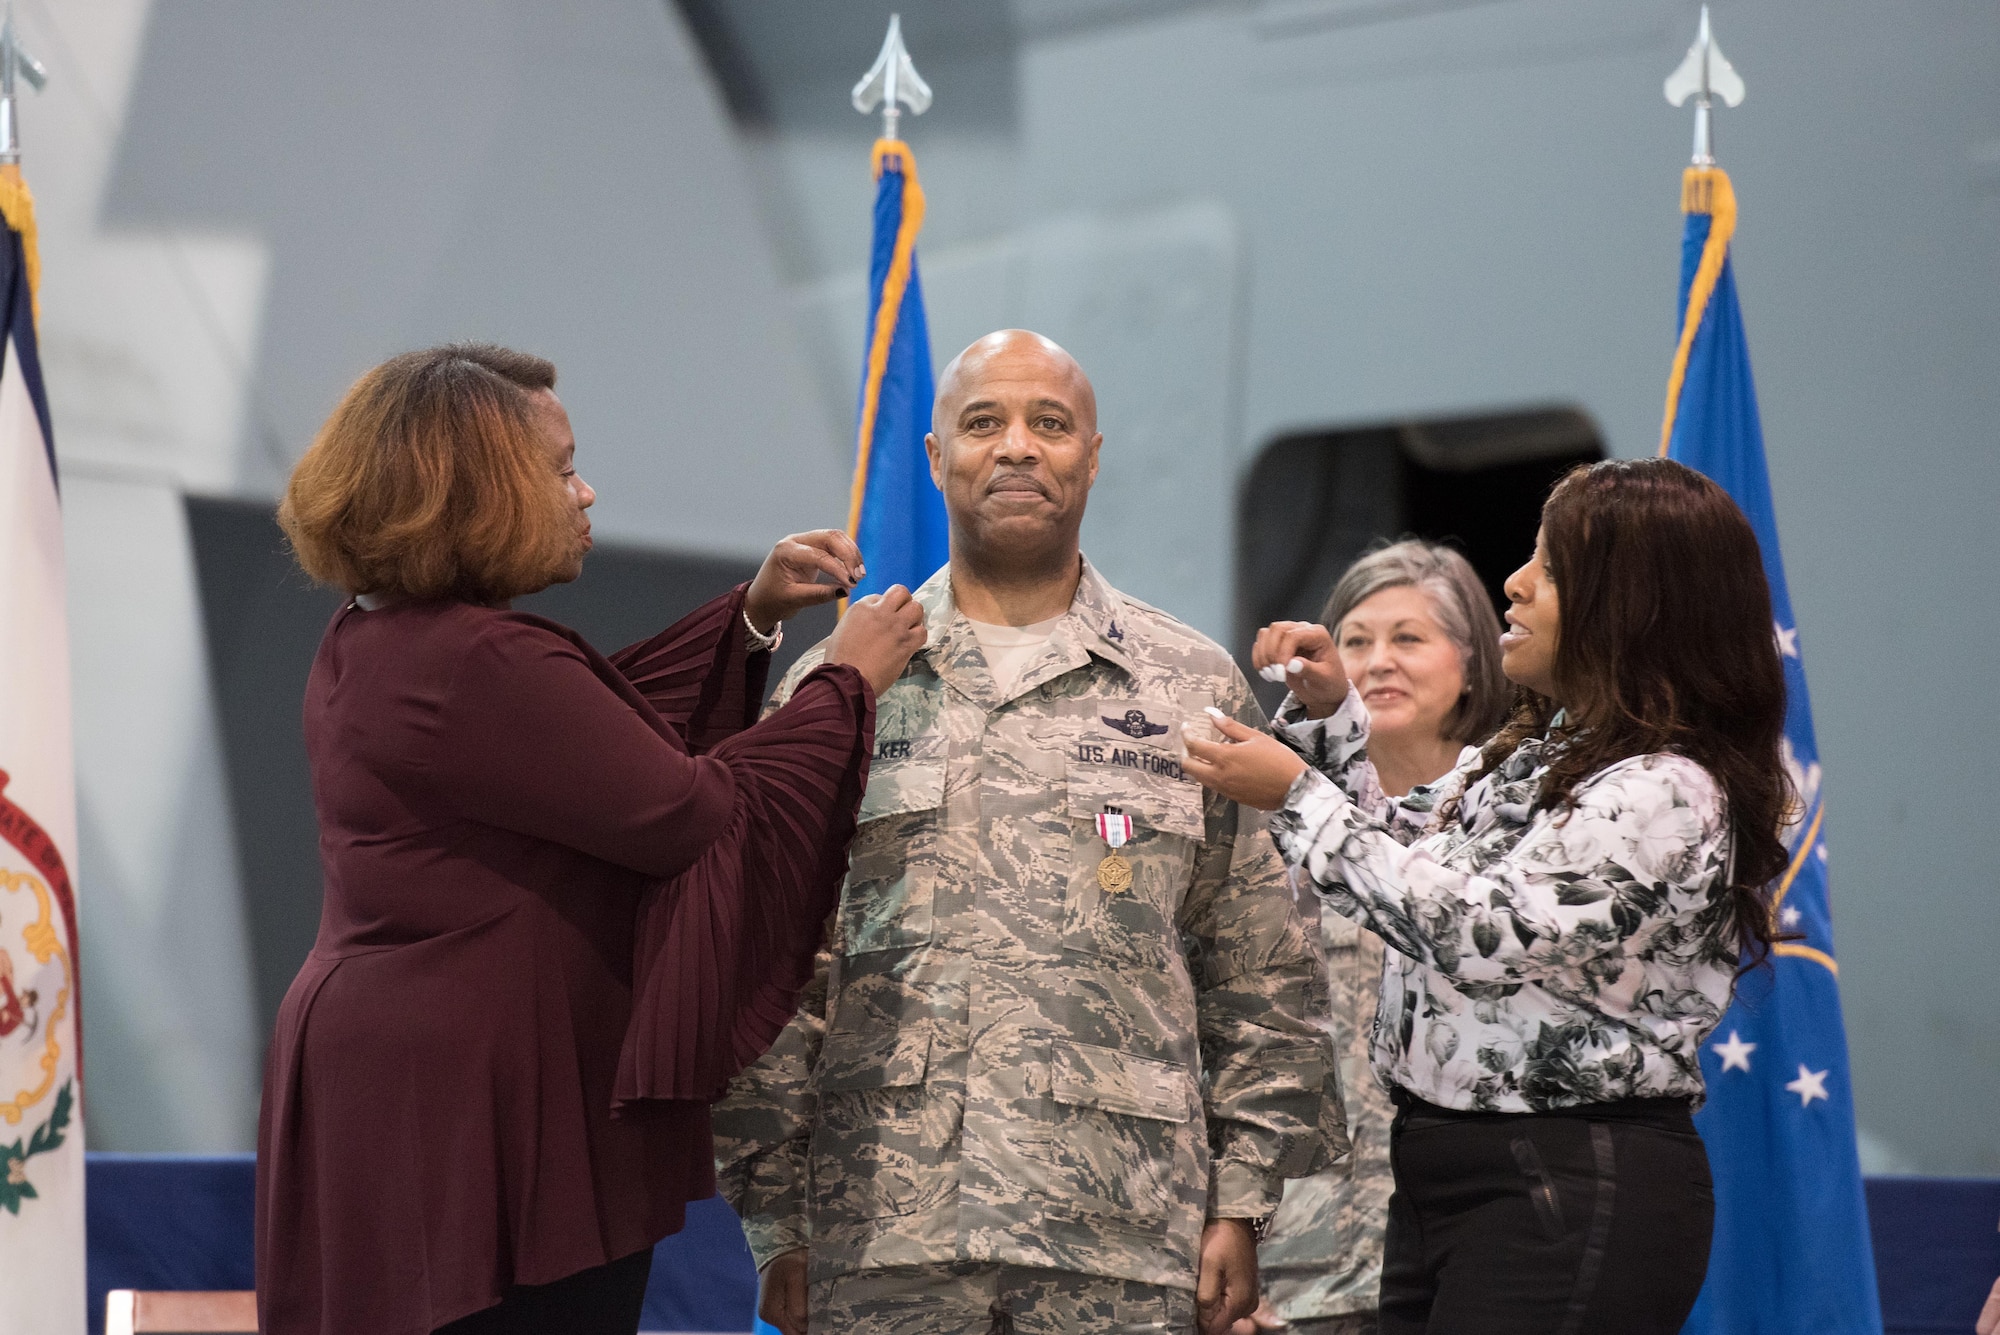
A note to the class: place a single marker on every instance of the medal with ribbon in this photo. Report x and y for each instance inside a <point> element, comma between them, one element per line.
<point>1115,828</point>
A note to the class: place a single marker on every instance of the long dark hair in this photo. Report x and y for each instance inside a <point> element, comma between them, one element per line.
<point>1666,645</point>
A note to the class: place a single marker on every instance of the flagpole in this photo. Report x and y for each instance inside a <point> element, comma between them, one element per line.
<point>892,83</point>
<point>14,62</point>
<point>1703,75</point>
<point>893,78</point>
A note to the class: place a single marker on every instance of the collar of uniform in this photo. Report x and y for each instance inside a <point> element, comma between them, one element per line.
<point>1097,610</point>
<point>1091,626</point>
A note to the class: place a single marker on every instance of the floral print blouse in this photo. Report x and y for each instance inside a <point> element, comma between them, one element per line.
<point>1538,959</point>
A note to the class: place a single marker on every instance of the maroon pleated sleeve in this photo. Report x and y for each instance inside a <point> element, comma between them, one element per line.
<point>699,674</point>
<point>724,948</point>
<point>520,838</point>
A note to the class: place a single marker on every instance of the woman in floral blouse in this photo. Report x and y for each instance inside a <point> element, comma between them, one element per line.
<point>1566,912</point>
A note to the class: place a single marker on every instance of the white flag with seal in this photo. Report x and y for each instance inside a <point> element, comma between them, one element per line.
<point>41,1084</point>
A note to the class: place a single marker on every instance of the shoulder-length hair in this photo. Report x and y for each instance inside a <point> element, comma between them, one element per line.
<point>1666,644</point>
<point>1462,608</point>
<point>431,480</point>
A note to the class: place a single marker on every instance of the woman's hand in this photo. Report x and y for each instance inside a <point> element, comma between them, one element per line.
<point>878,635</point>
<point>792,576</point>
<point>1251,767</point>
<point>1313,671</point>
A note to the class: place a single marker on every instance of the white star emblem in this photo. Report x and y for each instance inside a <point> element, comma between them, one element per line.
<point>1735,1053</point>
<point>1788,640</point>
<point>1809,1086</point>
<point>1790,916</point>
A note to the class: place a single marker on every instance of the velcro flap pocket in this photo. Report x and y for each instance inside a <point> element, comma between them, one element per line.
<point>1157,800</point>
<point>905,775</point>
<point>1085,1076</point>
<point>857,1059</point>
<point>1277,1065</point>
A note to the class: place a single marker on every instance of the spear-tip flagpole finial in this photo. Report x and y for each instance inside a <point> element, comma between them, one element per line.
<point>892,79</point>
<point>1705,75</point>
<point>14,61</point>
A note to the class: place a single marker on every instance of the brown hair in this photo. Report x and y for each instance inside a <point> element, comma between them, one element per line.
<point>1666,645</point>
<point>1463,610</point>
<point>432,480</point>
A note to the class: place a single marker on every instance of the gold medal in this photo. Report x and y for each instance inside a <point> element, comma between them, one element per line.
<point>1114,874</point>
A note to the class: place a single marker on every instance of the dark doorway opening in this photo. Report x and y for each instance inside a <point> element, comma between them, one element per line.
<point>1314,501</point>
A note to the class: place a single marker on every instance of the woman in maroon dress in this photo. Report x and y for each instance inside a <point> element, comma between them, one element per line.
<point>566,896</point>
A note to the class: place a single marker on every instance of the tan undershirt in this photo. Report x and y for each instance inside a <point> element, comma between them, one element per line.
<point>1009,649</point>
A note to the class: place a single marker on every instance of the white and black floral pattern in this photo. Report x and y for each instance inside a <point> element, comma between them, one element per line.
<point>1538,959</point>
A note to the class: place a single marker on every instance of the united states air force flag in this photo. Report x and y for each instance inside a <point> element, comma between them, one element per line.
<point>896,514</point>
<point>1791,1250</point>
<point>41,1134</point>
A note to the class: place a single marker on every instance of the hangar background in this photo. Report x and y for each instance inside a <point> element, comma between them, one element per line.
<point>1297,244</point>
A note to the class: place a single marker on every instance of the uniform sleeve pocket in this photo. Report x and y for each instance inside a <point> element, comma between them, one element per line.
<point>905,775</point>
<point>886,903</point>
<point>1085,1076</point>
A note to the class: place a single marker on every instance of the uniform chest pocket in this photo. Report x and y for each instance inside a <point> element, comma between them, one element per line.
<point>1123,903</point>
<point>887,902</point>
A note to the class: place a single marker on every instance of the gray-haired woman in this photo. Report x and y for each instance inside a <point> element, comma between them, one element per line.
<point>1420,641</point>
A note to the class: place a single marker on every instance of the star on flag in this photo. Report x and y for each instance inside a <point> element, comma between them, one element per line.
<point>1735,1053</point>
<point>1809,1086</point>
<point>1788,640</point>
<point>1790,916</point>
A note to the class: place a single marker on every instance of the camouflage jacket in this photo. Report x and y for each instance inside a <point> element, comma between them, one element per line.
<point>1323,1256</point>
<point>1004,1060</point>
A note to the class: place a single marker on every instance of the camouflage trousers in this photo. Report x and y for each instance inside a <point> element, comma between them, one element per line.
<point>977,1298</point>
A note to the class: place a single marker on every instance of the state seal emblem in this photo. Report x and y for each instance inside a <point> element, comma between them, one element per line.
<point>37,1000</point>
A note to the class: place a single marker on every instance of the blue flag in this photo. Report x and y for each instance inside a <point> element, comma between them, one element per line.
<point>896,514</point>
<point>1791,1251</point>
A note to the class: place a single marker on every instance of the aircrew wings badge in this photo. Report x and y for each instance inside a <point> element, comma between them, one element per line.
<point>1135,724</point>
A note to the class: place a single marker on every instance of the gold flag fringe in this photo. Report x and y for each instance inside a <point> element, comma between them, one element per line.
<point>1703,190</point>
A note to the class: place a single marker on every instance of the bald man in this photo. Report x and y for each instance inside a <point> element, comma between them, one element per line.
<point>1061,1055</point>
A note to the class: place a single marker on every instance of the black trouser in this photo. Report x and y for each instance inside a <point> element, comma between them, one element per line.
<point>1583,1222</point>
<point>604,1300</point>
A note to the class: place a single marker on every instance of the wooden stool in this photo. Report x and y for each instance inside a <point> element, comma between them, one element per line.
<point>136,1312</point>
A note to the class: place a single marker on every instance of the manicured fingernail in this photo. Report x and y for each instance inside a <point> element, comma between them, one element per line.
<point>1212,711</point>
<point>1296,665</point>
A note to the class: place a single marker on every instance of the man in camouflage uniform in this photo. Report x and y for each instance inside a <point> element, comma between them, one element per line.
<point>1321,1263</point>
<point>1056,1068</point>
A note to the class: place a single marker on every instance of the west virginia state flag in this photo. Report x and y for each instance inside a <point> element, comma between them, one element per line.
<point>1791,1251</point>
<point>896,514</point>
<point>41,1133</point>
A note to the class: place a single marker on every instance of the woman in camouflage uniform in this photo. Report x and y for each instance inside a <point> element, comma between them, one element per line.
<point>1419,639</point>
